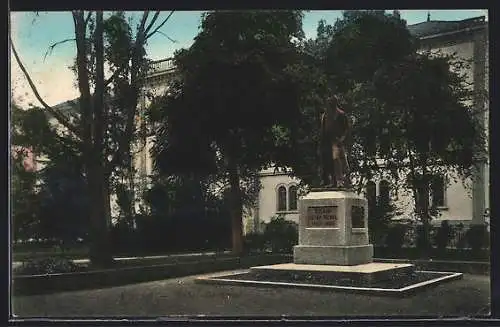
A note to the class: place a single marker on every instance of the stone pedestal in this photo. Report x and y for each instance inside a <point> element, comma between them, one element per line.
<point>333,229</point>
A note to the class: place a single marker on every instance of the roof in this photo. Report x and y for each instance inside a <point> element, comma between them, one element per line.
<point>70,106</point>
<point>434,27</point>
<point>67,108</point>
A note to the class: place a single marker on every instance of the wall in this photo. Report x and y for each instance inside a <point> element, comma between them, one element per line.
<point>458,202</point>
<point>268,196</point>
<point>143,161</point>
<point>474,45</point>
<point>487,118</point>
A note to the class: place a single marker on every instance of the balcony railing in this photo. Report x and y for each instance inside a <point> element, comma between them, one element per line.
<point>161,66</point>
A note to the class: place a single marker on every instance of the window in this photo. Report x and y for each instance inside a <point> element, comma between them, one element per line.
<point>438,192</point>
<point>282,198</point>
<point>384,193</point>
<point>292,198</point>
<point>371,193</point>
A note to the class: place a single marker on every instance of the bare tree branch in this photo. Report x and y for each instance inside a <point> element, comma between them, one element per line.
<point>60,117</point>
<point>140,32</point>
<point>168,37</point>
<point>153,21</point>
<point>160,26</point>
<point>83,82</point>
<point>88,18</point>
<point>99,111</point>
<point>51,48</point>
<point>112,77</point>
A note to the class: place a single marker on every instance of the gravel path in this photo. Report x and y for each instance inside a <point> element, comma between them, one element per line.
<point>181,296</point>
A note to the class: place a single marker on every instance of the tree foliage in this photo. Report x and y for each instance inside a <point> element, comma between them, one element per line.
<point>393,93</point>
<point>235,90</point>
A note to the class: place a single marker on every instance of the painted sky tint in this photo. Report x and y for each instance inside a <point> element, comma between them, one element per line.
<point>33,34</point>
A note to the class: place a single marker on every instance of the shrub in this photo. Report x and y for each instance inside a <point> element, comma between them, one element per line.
<point>380,215</point>
<point>189,229</point>
<point>423,241</point>
<point>255,243</point>
<point>281,234</point>
<point>444,235</point>
<point>51,265</point>
<point>477,237</point>
<point>395,237</point>
<point>122,238</point>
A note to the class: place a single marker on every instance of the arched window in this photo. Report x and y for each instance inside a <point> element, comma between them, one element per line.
<point>371,193</point>
<point>292,198</point>
<point>384,193</point>
<point>282,198</point>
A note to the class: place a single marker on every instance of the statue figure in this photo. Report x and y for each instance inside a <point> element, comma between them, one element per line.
<point>334,130</point>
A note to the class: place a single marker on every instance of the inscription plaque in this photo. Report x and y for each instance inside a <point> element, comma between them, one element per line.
<point>358,217</point>
<point>322,216</point>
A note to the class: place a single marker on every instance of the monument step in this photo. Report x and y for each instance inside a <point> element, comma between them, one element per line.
<point>333,255</point>
<point>365,273</point>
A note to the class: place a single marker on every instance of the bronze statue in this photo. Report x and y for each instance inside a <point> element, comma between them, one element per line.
<point>334,130</point>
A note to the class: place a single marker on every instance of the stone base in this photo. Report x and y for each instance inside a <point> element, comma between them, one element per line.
<point>366,273</point>
<point>331,189</point>
<point>333,255</point>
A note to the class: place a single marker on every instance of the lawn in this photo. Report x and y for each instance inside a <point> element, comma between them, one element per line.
<point>182,296</point>
<point>23,252</point>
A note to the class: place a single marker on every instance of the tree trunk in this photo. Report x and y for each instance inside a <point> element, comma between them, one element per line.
<point>236,209</point>
<point>132,189</point>
<point>107,201</point>
<point>99,252</point>
<point>425,213</point>
<point>100,249</point>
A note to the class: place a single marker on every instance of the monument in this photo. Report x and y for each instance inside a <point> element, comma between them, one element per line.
<point>333,220</point>
<point>334,251</point>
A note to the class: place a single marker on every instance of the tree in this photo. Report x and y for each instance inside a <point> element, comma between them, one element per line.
<point>339,61</point>
<point>24,200</point>
<point>45,201</point>
<point>64,203</point>
<point>432,127</point>
<point>234,90</point>
<point>103,145</point>
<point>361,42</point>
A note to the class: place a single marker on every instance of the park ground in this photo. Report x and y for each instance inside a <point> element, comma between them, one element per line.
<point>182,296</point>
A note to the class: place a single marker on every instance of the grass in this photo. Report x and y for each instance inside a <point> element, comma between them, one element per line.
<point>28,252</point>
<point>135,272</point>
<point>182,296</point>
<point>24,252</point>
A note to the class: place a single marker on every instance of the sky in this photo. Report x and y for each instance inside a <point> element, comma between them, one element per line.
<point>33,34</point>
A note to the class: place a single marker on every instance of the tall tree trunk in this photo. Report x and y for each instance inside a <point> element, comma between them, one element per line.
<point>425,212</point>
<point>100,249</point>
<point>236,208</point>
<point>132,189</point>
<point>107,201</point>
<point>98,232</point>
